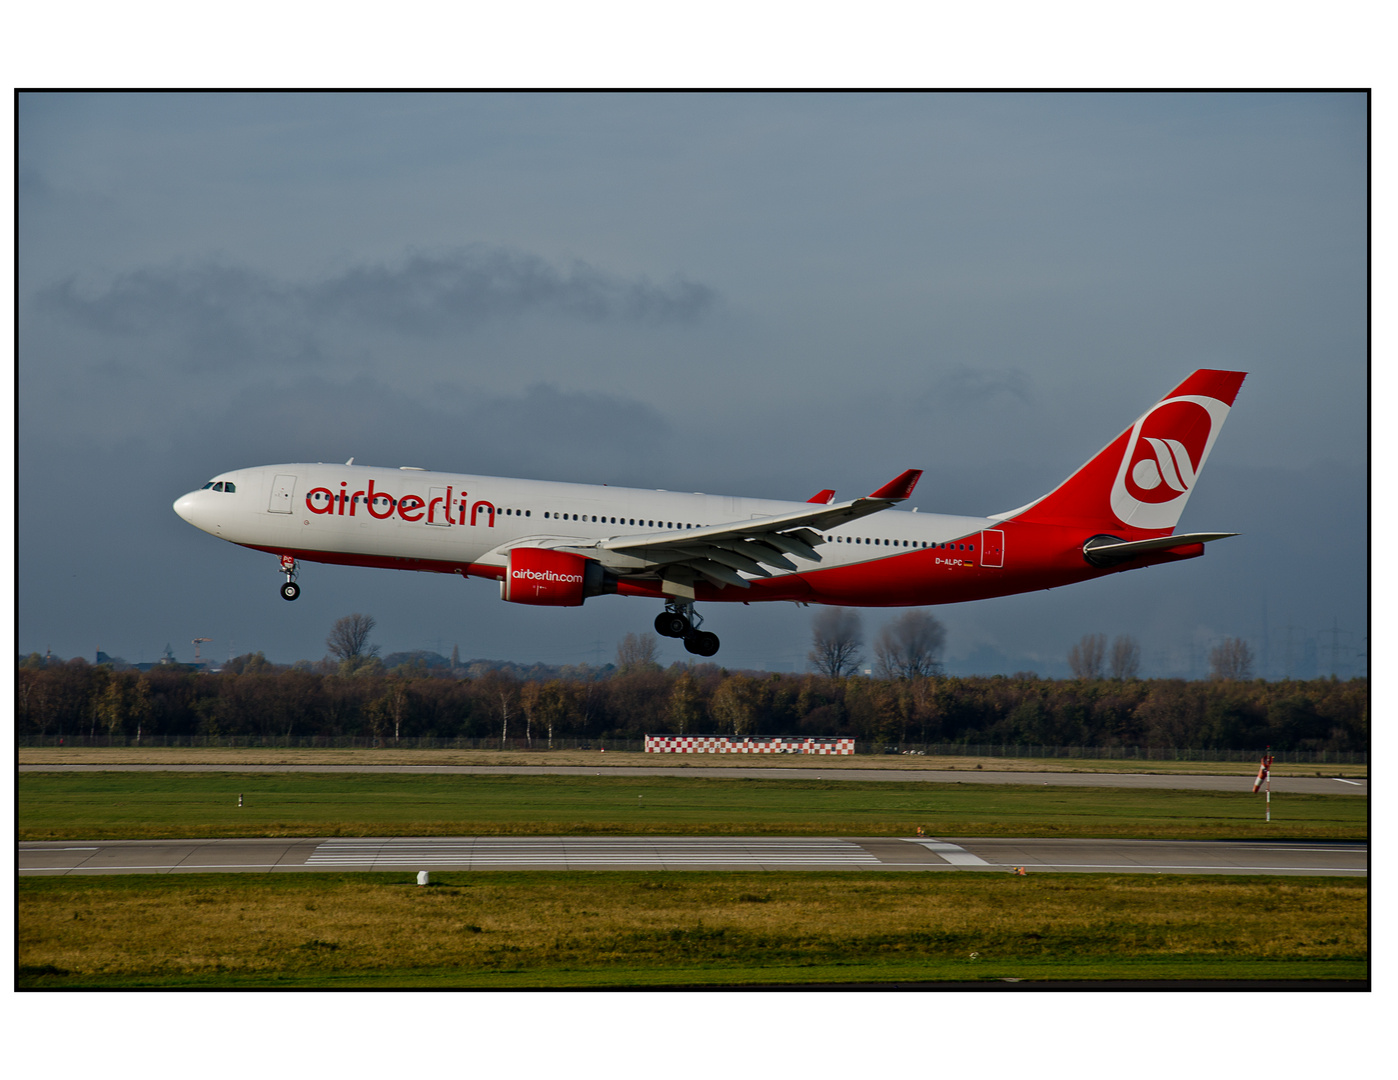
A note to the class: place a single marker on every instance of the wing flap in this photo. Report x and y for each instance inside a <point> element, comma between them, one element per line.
<point>720,553</point>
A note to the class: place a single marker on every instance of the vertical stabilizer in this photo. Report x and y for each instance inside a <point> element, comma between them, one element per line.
<point>1139,484</point>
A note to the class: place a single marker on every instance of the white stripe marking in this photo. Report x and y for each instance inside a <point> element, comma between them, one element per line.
<point>952,853</point>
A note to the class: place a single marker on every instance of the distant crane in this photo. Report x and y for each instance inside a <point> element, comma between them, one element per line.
<point>196,643</point>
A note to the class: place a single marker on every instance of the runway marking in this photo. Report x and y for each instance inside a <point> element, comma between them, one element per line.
<point>584,851</point>
<point>168,866</point>
<point>1339,780</point>
<point>1214,866</point>
<point>952,853</point>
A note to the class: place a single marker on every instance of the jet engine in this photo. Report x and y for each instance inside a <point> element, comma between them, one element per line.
<point>553,578</point>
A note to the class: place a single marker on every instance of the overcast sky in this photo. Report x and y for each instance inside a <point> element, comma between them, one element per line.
<point>757,295</point>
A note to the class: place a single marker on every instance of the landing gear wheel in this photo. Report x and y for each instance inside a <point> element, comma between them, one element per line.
<point>672,624</point>
<point>701,643</point>
<point>291,590</point>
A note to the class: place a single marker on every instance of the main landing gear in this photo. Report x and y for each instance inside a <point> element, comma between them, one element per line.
<point>680,620</point>
<point>291,590</point>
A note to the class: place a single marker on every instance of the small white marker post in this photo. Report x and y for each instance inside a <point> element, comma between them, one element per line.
<point>240,799</point>
<point>1264,779</point>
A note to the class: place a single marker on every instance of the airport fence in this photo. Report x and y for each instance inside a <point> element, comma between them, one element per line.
<point>636,746</point>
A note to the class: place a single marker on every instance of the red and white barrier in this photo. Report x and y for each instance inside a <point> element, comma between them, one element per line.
<point>739,744</point>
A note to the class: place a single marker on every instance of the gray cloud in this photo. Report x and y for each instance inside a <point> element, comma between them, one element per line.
<point>963,387</point>
<point>429,294</point>
<point>220,313</point>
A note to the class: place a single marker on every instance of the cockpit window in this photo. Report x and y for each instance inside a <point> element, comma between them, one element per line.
<point>207,486</point>
<point>229,487</point>
<point>218,487</point>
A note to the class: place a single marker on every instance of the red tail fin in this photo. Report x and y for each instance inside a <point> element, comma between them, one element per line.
<point>1138,485</point>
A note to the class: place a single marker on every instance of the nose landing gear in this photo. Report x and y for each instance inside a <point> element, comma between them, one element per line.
<point>680,620</point>
<point>290,590</point>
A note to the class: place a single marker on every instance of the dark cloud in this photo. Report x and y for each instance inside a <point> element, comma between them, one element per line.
<point>963,387</point>
<point>220,313</point>
<point>429,294</point>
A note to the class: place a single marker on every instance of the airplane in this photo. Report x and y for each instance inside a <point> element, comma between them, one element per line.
<point>557,545</point>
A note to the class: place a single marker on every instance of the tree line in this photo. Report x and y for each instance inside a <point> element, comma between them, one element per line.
<point>252,696</point>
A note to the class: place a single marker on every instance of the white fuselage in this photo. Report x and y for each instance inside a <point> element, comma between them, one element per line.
<point>455,520</point>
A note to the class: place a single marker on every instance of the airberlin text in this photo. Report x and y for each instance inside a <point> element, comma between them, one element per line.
<point>546,575</point>
<point>380,505</point>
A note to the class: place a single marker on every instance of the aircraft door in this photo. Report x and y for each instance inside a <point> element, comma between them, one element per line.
<point>993,547</point>
<point>438,506</point>
<point>283,487</point>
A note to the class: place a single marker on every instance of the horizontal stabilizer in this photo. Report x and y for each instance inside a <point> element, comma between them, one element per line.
<point>1108,550</point>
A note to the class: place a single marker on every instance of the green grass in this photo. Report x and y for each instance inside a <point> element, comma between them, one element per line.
<point>68,806</point>
<point>554,929</point>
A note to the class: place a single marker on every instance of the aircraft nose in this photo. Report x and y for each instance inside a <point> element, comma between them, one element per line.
<point>187,507</point>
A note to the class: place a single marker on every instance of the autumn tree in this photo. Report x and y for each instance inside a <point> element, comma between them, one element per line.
<point>735,704</point>
<point>502,692</point>
<point>910,647</point>
<point>555,706</point>
<point>1087,656</point>
<point>837,633</point>
<point>686,706</point>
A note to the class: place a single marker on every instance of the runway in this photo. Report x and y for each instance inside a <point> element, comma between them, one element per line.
<point>1281,785</point>
<point>411,854</point>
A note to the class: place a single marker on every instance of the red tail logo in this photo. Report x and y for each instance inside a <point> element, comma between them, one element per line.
<point>1163,466</point>
<point>1164,453</point>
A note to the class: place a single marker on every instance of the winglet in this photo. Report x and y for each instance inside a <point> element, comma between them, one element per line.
<point>899,488</point>
<point>826,497</point>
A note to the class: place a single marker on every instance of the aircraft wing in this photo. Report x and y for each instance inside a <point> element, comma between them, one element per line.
<point>718,553</point>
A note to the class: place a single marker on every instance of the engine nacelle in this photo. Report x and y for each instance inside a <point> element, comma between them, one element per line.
<point>553,578</point>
